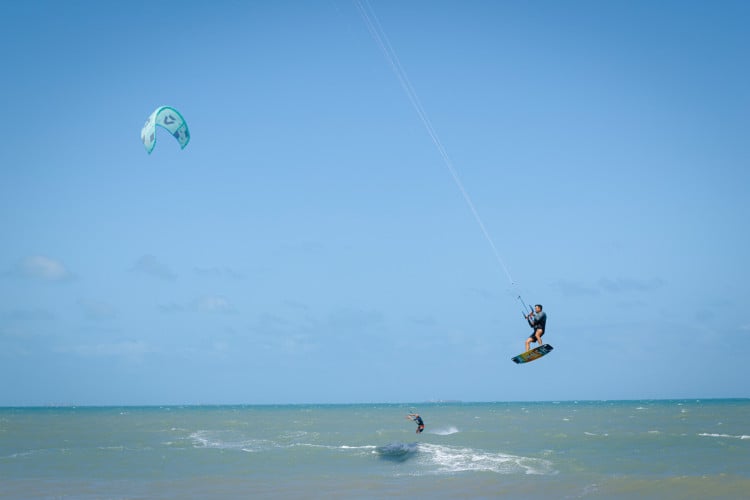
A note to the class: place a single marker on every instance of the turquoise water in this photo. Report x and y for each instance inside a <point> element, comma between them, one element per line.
<point>621,449</point>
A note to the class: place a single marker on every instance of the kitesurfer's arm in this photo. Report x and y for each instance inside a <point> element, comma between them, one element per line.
<point>531,319</point>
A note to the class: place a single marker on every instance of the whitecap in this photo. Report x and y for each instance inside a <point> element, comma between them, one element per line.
<point>331,446</point>
<point>705,434</point>
<point>21,454</point>
<point>224,440</point>
<point>293,435</point>
<point>449,459</point>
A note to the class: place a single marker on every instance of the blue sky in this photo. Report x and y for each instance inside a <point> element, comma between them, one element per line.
<point>310,245</point>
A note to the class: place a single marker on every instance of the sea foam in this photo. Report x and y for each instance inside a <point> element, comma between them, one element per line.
<point>451,459</point>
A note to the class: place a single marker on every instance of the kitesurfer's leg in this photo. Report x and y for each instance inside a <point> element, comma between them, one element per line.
<point>539,336</point>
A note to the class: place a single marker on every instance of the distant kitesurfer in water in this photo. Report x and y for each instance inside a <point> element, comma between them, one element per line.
<point>538,321</point>
<point>418,420</point>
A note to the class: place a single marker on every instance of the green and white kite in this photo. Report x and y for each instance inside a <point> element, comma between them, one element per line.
<point>170,119</point>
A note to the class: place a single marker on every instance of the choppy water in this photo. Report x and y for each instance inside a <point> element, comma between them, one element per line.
<point>622,449</point>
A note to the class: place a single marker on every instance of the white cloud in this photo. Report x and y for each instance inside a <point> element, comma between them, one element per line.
<point>214,304</point>
<point>43,268</point>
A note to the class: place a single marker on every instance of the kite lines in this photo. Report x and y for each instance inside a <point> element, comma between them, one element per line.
<point>381,39</point>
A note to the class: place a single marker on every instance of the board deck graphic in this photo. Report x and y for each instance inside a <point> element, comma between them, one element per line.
<point>533,354</point>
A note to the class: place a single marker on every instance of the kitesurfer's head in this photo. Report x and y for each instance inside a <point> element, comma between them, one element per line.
<point>538,307</point>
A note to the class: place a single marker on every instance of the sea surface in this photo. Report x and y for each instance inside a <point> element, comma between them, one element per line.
<point>578,449</point>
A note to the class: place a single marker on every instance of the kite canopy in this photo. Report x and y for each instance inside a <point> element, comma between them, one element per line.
<point>170,119</point>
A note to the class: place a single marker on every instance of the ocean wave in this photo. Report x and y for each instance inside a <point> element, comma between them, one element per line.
<point>22,454</point>
<point>111,448</point>
<point>331,446</point>
<point>451,459</point>
<point>290,435</point>
<point>397,451</point>
<point>743,436</point>
<point>225,440</point>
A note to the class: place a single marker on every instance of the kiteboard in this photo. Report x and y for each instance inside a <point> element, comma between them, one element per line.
<point>533,354</point>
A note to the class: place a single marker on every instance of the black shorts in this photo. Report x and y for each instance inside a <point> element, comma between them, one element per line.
<point>533,335</point>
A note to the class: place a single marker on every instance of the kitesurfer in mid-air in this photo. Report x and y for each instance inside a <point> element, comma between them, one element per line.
<point>418,420</point>
<point>538,321</point>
